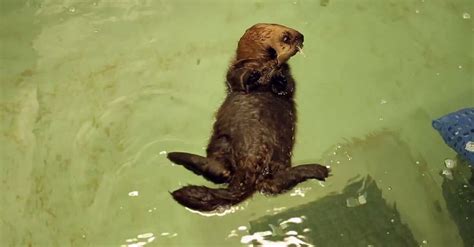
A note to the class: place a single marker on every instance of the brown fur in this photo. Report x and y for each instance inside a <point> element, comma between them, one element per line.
<point>253,136</point>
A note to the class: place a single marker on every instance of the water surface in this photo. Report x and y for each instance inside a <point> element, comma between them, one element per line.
<point>93,93</point>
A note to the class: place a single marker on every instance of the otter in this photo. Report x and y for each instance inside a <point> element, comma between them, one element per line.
<point>253,135</point>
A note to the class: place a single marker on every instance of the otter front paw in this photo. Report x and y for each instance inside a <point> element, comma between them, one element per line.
<point>279,84</point>
<point>251,80</point>
<point>267,71</point>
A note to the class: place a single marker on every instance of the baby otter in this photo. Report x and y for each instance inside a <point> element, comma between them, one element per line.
<point>253,136</point>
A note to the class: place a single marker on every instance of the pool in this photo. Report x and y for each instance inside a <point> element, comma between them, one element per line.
<point>94,93</point>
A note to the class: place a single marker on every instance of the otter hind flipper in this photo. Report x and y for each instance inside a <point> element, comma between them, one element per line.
<point>210,169</point>
<point>207,199</point>
<point>287,179</point>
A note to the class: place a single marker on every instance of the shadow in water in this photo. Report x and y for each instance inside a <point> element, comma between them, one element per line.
<point>459,195</point>
<point>359,216</point>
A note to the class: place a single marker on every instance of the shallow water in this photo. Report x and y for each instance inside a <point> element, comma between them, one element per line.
<point>94,92</point>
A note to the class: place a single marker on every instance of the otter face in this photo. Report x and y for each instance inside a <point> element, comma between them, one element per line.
<point>270,41</point>
<point>286,43</point>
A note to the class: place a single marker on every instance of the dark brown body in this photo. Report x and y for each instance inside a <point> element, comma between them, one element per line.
<point>253,136</point>
<point>254,133</point>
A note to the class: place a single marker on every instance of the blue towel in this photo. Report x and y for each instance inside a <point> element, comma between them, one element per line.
<point>457,130</point>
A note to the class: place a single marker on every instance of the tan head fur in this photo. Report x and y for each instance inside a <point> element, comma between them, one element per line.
<point>268,42</point>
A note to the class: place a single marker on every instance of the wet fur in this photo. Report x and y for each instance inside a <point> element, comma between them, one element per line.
<point>253,136</point>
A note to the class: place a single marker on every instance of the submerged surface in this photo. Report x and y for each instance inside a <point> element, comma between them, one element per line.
<point>94,92</point>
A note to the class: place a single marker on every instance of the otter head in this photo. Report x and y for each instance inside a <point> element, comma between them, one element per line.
<point>269,42</point>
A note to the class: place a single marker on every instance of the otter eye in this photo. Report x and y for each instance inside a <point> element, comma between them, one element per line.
<point>286,39</point>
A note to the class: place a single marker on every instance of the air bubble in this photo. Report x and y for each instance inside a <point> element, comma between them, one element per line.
<point>145,235</point>
<point>449,163</point>
<point>469,146</point>
<point>242,228</point>
<point>362,199</point>
<point>448,174</point>
<point>133,193</point>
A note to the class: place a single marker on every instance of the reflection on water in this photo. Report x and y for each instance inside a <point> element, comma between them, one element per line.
<point>95,92</point>
<point>140,240</point>
<point>220,212</point>
<point>289,238</point>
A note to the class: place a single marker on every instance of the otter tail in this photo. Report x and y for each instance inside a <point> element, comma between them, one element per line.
<point>202,198</point>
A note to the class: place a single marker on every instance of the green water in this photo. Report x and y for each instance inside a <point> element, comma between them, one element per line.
<point>93,92</point>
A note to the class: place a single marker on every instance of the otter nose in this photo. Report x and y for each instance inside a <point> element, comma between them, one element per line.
<point>300,37</point>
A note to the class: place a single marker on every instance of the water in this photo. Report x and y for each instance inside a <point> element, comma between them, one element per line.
<point>93,94</point>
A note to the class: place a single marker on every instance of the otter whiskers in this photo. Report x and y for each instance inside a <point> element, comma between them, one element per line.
<point>300,50</point>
